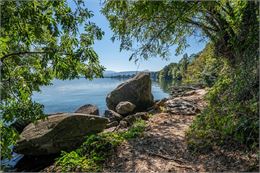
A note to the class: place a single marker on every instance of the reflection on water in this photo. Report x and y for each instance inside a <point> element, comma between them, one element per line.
<point>166,85</point>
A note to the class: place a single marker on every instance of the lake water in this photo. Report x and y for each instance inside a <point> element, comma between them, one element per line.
<point>68,95</point>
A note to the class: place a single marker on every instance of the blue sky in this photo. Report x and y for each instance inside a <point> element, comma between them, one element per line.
<point>114,60</point>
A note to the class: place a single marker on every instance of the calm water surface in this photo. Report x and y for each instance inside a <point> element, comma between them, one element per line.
<point>68,95</point>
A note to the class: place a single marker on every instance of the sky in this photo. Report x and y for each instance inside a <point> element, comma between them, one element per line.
<point>111,57</point>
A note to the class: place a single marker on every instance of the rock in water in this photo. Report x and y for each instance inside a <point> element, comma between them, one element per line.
<point>59,132</point>
<point>88,109</point>
<point>125,107</point>
<point>136,90</point>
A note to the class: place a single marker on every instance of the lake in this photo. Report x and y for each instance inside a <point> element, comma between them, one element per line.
<point>68,95</point>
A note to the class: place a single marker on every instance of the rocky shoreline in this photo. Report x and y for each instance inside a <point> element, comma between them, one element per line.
<point>130,101</point>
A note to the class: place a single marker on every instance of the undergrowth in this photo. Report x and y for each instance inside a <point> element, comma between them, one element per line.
<point>231,117</point>
<point>96,149</point>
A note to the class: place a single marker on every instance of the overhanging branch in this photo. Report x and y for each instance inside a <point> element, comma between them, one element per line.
<point>146,46</point>
<point>28,52</point>
<point>21,53</point>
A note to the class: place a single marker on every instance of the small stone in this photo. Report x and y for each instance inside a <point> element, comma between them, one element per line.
<point>125,107</point>
<point>123,124</point>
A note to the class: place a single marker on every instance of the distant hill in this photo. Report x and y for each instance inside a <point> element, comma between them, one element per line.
<point>124,74</point>
<point>108,73</point>
<point>114,74</point>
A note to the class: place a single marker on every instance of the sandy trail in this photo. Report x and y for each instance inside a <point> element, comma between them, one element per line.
<point>163,148</point>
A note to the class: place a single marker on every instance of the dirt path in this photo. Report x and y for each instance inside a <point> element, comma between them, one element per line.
<point>163,148</point>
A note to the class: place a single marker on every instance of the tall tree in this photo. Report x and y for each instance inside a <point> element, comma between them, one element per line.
<point>157,25</point>
<point>40,41</point>
<point>149,28</point>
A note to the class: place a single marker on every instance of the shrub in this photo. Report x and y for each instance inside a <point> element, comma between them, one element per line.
<point>73,161</point>
<point>232,112</point>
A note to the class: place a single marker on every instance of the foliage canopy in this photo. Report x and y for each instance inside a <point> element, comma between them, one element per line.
<point>157,25</point>
<point>40,41</point>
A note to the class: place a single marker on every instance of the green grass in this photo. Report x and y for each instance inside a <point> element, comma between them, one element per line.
<point>73,161</point>
<point>94,151</point>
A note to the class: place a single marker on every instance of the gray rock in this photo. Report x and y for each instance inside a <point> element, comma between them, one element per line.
<point>158,104</point>
<point>112,124</point>
<point>130,119</point>
<point>123,124</point>
<point>112,115</point>
<point>125,107</point>
<point>136,90</point>
<point>181,107</point>
<point>179,91</point>
<point>59,132</point>
<point>88,109</point>
<point>20,124</point>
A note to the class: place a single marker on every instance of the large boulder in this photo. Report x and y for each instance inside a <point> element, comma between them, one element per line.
<point>58,132</point>
<point>136,90</point>
<point>125,107</point>
<point>19,125</point>
<point>88,109</point>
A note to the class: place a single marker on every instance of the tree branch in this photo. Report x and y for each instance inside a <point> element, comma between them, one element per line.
<point>26,52</point>
<point>200,25</point>
<point>156,35</point>
<point>21,53</point>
